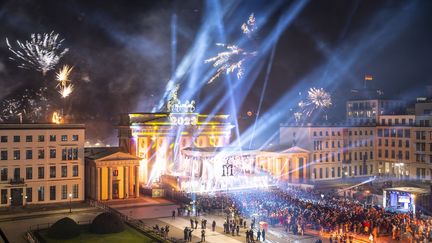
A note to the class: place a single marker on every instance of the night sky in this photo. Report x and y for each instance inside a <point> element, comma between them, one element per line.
<point>121,51</point>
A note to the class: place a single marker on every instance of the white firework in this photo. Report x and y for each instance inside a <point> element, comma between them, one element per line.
<point>229,61</point>
<point>320,98</point>
<point>233,58</point>
<point>64,83</point>
<point>28,106</point>
<point>65,90</point>
<point>249,27</point>
<point>42,52</point>
<point>317,99</point>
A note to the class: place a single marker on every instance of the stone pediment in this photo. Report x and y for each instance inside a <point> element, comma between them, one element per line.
<point>117,156</point>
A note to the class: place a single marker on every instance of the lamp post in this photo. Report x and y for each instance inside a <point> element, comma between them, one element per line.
<point>70,202</point>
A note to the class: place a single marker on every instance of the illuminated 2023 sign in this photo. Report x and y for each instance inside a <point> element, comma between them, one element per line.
<point>183,120</point>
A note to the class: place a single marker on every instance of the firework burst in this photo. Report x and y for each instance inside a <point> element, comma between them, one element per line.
<point>42,52</point>
<point>233,58</point>
<point>317,99</point>
<point>28,106</point>
<point>62,76</point>
<point>64,83</point>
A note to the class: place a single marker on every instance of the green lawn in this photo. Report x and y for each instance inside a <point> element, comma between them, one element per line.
<point>128,235</point>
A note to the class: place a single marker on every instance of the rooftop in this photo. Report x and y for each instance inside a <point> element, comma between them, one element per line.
<point>20,126</point>
<point>414,190</point>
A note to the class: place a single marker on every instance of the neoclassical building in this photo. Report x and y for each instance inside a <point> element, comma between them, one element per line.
<point>289,164</point>
<point>111,174</point>
<point>158,138</point>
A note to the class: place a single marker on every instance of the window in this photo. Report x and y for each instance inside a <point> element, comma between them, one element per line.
<point>326,172</point>
<point>74,137</point>
<point>4,174</point>
<point>17,155</point>
<point>29,194</point>
<point>75,170</point>
<point>41,172</point>
<point>52,193</point>
<point>407,155</point>
<point>75,191</point>
<point>29,173</point>
<point>314,173</point>
<point>29,154</point>
<point>16,139</point>
<point>407,144</point>
<point>333,172</point>
<point>53,153</point>
<point>29,138</point>
<point>64,171</point>
<point>75,153</point>
<point>4,196</point>
<point>4,139</point>
<point>64,154</point>
<point>4,155</point>
<point>52,171</point>
<point>339,171</point>
<point>41,193</point>
<point>371,169</point>
<point>63,138</point>
<point>52,138</point>
<point>320,173</point>
<point>69,154</point>
<point>41,153</point>
<point>41,138</point>
<point>64,192</point>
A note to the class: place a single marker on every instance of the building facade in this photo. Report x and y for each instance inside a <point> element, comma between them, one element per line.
<point>111,174</point>
<point>158,138</point>
<point>366,111</point>
<point>41,163</point>
<point>396,145</point>
<point>336,152</point>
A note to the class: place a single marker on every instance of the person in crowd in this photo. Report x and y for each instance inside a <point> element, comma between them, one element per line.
<point>202,235</point>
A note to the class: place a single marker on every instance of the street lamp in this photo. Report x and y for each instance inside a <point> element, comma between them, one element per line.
<point>70,202</point>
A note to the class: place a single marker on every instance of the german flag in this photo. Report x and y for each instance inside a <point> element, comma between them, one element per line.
<point>368,77</point>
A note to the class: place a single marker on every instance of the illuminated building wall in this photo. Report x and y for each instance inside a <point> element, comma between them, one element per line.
<point>41,163</point>
<point>367,111</point>
<point>111,174</point>
<point>391,145</point>
<point>158,138</point>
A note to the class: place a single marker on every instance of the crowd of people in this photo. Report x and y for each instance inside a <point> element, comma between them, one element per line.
<point>162,231</point>
<point>337,217</point>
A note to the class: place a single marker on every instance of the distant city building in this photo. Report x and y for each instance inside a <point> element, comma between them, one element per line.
<point>41,163</point>
<point>111,174</point>
<point>158,138</point>
<point>379,138</point>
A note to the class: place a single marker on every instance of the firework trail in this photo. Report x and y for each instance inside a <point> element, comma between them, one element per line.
<point>64,83</point>
<point>317,99</point>
<point>42,52</point>
<point>233,58</point>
